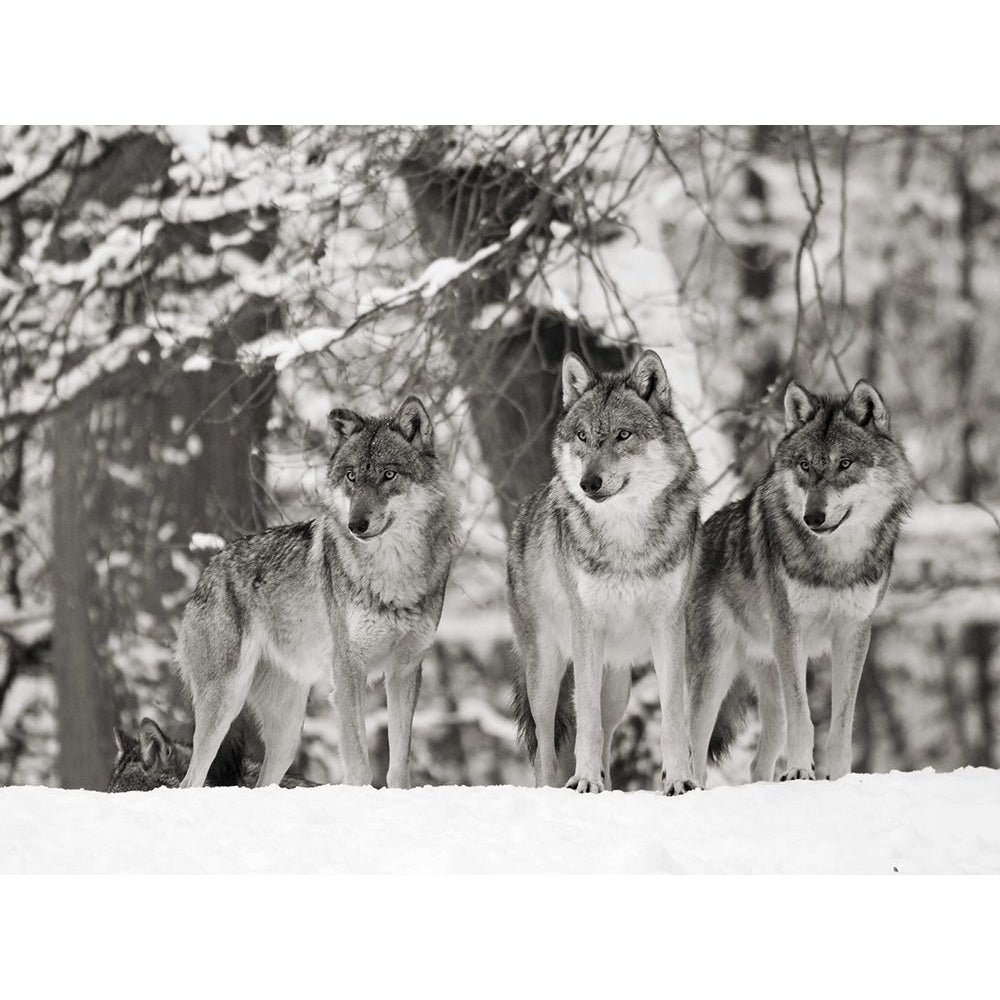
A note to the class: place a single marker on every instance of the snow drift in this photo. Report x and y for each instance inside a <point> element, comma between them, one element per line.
<point>912,822</point>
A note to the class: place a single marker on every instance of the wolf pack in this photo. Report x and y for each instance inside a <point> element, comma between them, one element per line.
<point>609,567</point>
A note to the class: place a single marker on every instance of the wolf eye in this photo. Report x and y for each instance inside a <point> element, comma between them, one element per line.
<point>390,474</point>
<point>804,465</point>
<point>624,435</point>
<point>350,475</point>
<point>846,463</point>
<point>582,435</point>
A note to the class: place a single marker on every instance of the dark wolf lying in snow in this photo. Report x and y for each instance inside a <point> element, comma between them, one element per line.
<point>356,593</point>
<point>154,760</point>
<point>795,569</point>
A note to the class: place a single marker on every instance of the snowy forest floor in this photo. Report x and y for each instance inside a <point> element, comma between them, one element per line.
<point>906,822</point>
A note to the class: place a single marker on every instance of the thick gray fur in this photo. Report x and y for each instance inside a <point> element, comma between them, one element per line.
<point>597,573</point>
<point>795,569</point>
<point>352,595</point>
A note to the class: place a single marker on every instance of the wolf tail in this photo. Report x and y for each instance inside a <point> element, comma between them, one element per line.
<point>526,721</point>
<point>732,717</point>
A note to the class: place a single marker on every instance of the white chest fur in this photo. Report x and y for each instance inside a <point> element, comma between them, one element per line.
<point>611,596</point>
<point>622,521</point>
<point>375,637</point>
<point>848,542</point>
<point>831,604</point>
<point>625,611</point>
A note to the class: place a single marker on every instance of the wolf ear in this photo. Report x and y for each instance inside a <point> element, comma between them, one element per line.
<point>649,379</point>
<point>122,742</point>
<point>577,378</point>
<point>865,407</point>
<point>413,422</point>
<point>341,424</point>
<point>154,744</point>
<point>800,407</point>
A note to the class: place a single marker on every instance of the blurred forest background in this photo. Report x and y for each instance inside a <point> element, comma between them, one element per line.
<point>180,307</point>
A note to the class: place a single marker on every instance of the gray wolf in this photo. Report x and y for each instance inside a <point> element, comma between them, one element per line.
<point>795,569</point>
<point>353,595</point>
<point>154,760</point>
<point>597,572</point>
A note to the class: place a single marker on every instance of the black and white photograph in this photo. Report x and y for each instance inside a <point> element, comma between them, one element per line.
<point>521,498</point>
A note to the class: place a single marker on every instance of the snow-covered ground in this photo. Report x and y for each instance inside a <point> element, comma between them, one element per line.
<point>915,822</point>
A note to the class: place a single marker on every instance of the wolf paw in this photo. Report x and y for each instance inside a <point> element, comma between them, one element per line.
<point>679,786</point>
<point>581,783</point>
<point>799,774</point>
<point>397,779</point>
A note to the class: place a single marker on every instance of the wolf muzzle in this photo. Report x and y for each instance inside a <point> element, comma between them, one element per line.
<point>815,515</point>
<point>365,520</point>
<point>815,512</point>
<point>814,518</point>
<point>596,486</point>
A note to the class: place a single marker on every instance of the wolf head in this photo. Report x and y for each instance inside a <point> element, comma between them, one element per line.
<point>151,761</point>
<point>838,463</point>
<point>375,464</point>
<point>618,437</point>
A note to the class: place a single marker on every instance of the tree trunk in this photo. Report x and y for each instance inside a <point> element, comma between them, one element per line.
<point>980,639</point>
<point>758,350</point>
<point>511,375</point>
<point>967,486</point>
<point>977,637</point>
<point>86,708</point>
<point>514,390</point>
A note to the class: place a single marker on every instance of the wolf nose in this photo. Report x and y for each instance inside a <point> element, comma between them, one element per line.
<point>814,518</point>
<point>590,485</point>
<point>358,526</point>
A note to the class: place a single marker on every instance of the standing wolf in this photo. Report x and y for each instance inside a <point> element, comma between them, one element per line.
<point>359,589</point>
<point>597,571</point>
<point>795,569</point>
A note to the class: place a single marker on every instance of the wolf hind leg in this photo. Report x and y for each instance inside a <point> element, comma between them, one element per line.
<point>711,669</point>
<point>771,708</point>
<point>615,690</point>
<point>220,682</point>
<point>279,704</point>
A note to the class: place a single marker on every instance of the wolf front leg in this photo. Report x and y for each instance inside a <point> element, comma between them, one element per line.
<point>402,687</point>
<point>668,642</point>
<point>850,649</point>
<point>349,686</point>
<point>588,674</point>
<point>773,726</point>
<point>792,664</point>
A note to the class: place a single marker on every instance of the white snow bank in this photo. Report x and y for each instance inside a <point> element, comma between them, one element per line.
<point>917,822</point>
